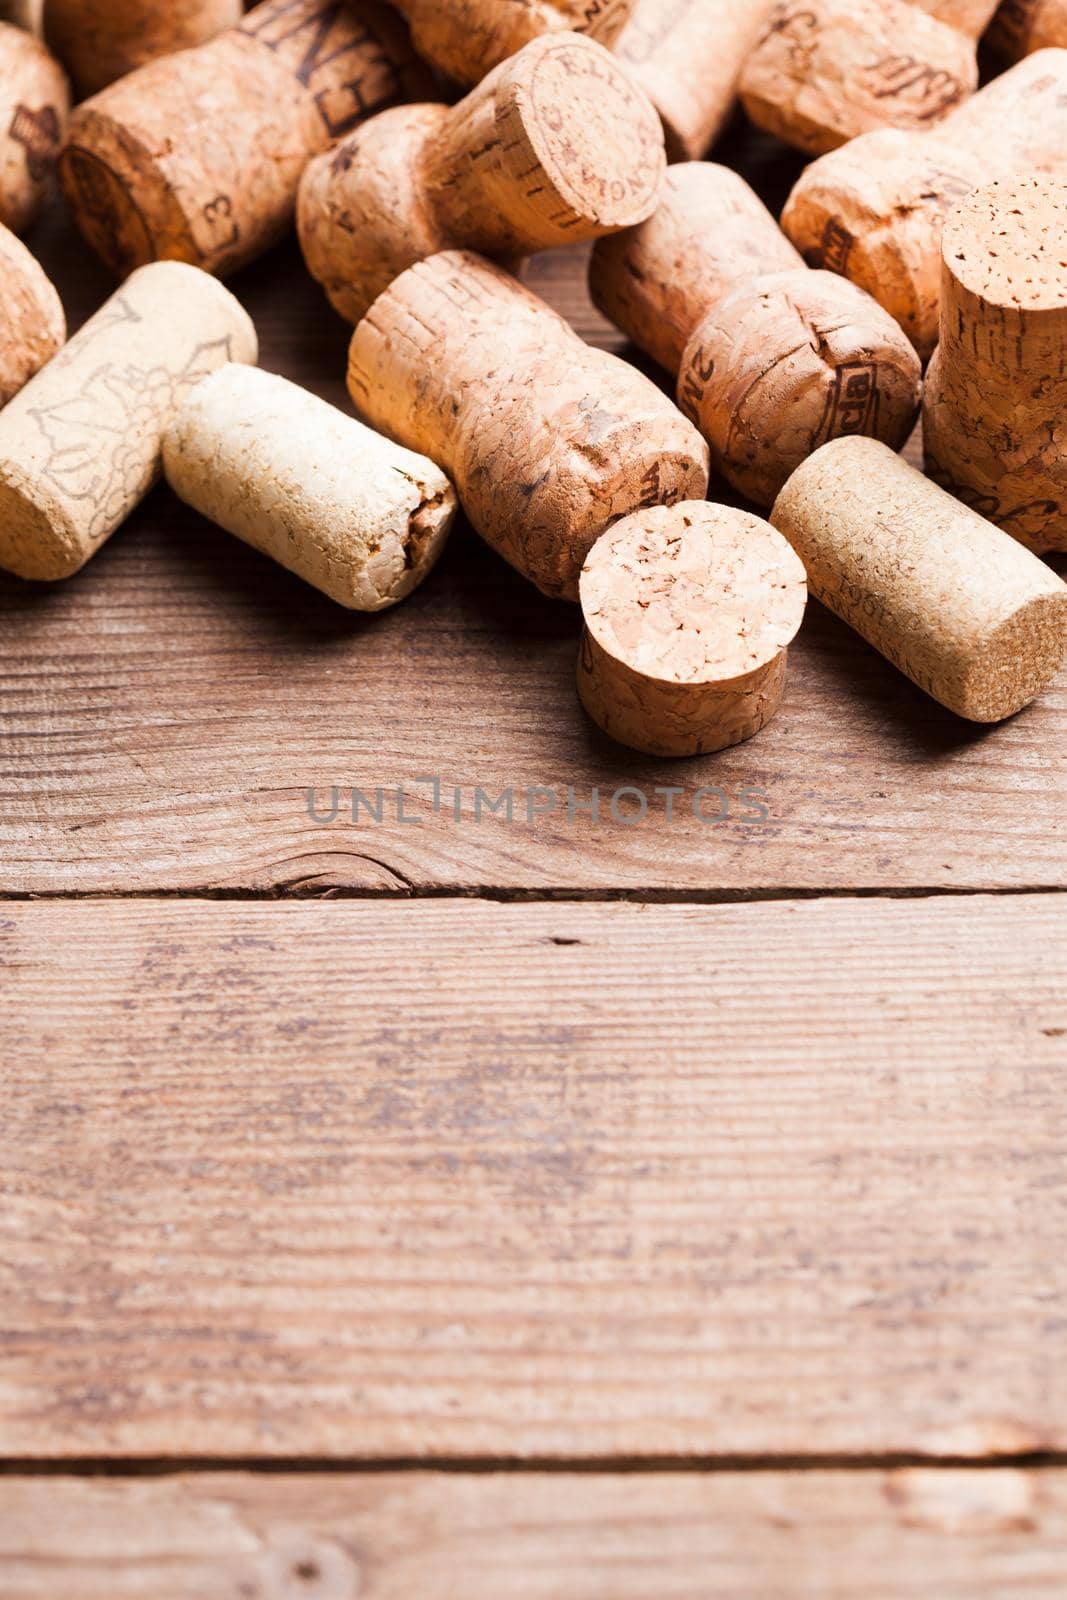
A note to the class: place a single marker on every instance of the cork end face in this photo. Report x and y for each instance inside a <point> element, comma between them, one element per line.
<point>34,542</point>
<point>1017,662</point>
<point>1006,245</point>
<point>126,210</point>
<point>592,131</point>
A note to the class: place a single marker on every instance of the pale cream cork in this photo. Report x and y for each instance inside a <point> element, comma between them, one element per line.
<point>970,616</point>
<point>197,156</point>
<point>689,611</point>
<point>995,411</point>
<point>80,444</point>
<point>1023,26</point>
<point>468,38</point>
<point>546,440</point>
<point>555,146</point>
<point>772,359</point>
<point>357,516</point>
<point>34,101</point>
<point>101,40</point>
<point>687,55</point>
<point>32,323</point>
<point>829,70</point>
<point>874,210</point>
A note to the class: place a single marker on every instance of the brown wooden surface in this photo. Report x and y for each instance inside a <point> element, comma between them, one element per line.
<point>912,1533</point>
<point>386,1180</point>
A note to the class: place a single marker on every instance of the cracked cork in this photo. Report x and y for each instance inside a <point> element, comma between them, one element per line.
<point>547,440</point>
<point>101,40</point>
<point>468,38</point>
<point>995,408</point>
<point>32,323</point>
<point>829,70</point>
<point>977,621</point>
<point>773,359</point>
<point>557,145</point>
<point>197,156</point>
<point>874,211</point>
<point>689,611</point>
<point>34,101</point>
<point>359,517</point>
<point>80,444</point>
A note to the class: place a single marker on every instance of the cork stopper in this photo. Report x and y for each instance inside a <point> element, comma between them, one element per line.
<point>975,620</point>
<point>874,210</point>
<point>348,511</point>
<point>997,398</point>
<point>34,101</point>
<point>971,17</point>
<point>23,13</point>
<point>148,176</point>
<point>833,69</point>
<point>32,323</point>
<point>466,39</point>
<point>80,444</point>
<point>1023,26</point>
<point>556,145</point>
<point>689,611</point>
<point>101,40</point>
<point>546,440</point>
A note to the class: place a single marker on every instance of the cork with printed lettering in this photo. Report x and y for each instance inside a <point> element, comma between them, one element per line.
<point>32,323</point>
<point>101,40</point>
<point>34,101</point>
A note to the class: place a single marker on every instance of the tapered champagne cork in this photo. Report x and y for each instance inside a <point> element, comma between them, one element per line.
<point>546,440</point>
<point>197,156</point>
<point>100,40</point>
<point>687,55</point>
<point>32,324</point>
<point>966,612</point>
<point>874,210</point>
<point>468,38</point>
<point>359,517</point>
<point>689,611</point>
<point>34,100</point>
<point>829,70</point>
<point>1022,26</point>
<point>772,359</point>
<point>995,411</point>
<point>556,145</point>
<point>80,445</point>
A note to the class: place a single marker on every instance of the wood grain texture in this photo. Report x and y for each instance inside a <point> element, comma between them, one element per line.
<point>997,1534</point>
<point>164,714</point>
<point>371,1180</point>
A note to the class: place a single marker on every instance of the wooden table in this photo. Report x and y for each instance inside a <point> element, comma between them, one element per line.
<point>629,1207</point>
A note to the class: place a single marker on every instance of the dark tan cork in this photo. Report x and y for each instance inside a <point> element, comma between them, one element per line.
<point>34,101</point>
<point>101,40</point>
<point>466,39</point>
<point>1022,26</point>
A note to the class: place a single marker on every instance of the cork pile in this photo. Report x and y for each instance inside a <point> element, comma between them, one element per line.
<point>423,149</point>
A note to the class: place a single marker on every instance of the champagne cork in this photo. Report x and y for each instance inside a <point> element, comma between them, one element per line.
<point>34,101</point>
<point>689,611</point>
<point>101,40</point>
<point>468,38</point>
<point>995,413</point>
<point>874,210</point>
<point>829,70</point>
<point>687,55</point>
<point>546,440</point>
<point>80,445</point>
<point>772,359</point>
<point>32,323</point>
<point>355,515</point>
<point>556,145</point>
<point>1023,26</point>
<point>197,156</point>
<point>975,620</point>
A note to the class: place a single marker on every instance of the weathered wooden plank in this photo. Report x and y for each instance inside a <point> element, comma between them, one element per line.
<point>997,1534</point>
<point>374,1179</point>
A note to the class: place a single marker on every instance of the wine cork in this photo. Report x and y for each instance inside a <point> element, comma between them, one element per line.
<point>23,13</point>
<point>830,70</point>
<point>995,412</point>
<point>687,55</point>
<point>197,156</point>
<point>355,515</point>
<point>32,323</point>
<point>974,619</point>
<point>101,40</point>
<point>772,359</point>
<point>468,38</point>
<point>80,445</point>
<point>874,210</point>
<point>556,145</point>
<point>34,101</point>
<point>546,440</point>
<point>1022,26</point>
<point>689,611</point>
